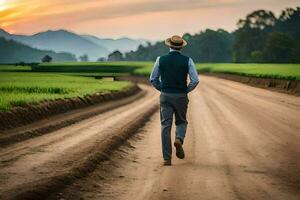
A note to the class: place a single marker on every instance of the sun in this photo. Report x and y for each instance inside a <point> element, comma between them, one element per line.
<point>2,5</point>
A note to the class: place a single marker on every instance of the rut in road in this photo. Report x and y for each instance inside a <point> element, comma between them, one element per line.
<point>30,163</point>
<point>242,143</point>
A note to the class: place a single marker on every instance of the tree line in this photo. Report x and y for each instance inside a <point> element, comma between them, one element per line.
<point>260,37</point>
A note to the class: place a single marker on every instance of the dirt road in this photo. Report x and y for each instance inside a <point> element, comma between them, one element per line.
<point>242,143</point>
<point>57,158</point>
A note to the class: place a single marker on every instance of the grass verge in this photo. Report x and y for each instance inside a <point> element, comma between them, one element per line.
<point>276,71</point>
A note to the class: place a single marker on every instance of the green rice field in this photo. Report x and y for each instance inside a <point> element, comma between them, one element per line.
<point>12,68</point>
<point>22,88</point>
<point>21,85</point>
<point>278,71</point>
<point>103,67</point>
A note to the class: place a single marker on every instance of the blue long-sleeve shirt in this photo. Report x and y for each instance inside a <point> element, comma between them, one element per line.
<point>192,72</point>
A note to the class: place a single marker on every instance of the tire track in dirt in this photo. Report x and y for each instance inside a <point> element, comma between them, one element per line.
<point>32,169</point>
<point>242,143</point>
<point>53,123</point>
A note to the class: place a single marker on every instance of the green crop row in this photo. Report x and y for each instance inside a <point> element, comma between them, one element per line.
<point>13,68</point>
<point>74,79</point>
<point>103,67</point>
<point>22,88</point>
<point>277,71</point>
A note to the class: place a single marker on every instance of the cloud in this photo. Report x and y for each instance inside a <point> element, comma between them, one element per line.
<point>79,11</point>
<point>122,8</point>
<point>34,15</point>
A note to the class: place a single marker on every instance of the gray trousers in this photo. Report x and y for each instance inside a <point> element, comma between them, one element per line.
<point>172,104</point>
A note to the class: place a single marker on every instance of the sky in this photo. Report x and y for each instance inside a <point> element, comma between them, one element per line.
<point>149,19</point>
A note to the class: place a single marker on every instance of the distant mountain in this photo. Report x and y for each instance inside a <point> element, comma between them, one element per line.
<point>4,34</point>
<point>60,41</point>
<point>12,52</point>
<point>65,41</point>
<point>121,44</point>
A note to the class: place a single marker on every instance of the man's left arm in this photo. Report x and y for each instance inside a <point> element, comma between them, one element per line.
<point>155,74</point>
<point>193,75</point>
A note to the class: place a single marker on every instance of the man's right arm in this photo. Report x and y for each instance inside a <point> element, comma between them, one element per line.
<point>194,80</point>
<point>155,74</point>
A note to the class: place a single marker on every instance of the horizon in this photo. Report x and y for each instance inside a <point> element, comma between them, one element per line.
<point>131,18</point>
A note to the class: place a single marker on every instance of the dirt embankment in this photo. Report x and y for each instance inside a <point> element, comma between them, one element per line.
<point>23,115</point>
<point>280,85</point>
<point>36,168</point>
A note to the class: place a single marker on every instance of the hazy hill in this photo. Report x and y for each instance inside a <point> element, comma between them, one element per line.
<point>4,34</point>
<point>60,41</point>
<point>12,52</point>
<point>121,44</point>
<point>65,41</point>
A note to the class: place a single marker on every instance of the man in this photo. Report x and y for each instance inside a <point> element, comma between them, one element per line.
<point>169,76</point>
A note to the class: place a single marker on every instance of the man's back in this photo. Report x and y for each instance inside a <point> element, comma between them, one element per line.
<point>174,70</point>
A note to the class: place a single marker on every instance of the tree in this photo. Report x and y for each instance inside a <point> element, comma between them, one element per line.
<point>251,34</point>
<point>101,59</point>
<point>257,56</point>
<point>84,58</point>
<point>207,46</point>
<point>289,23</point>
<point>20,63</point>
<point>251,42</point>
<point>281,48</point>
<point>115,56</point>
<point>259,19</point>
<point>46,59</point>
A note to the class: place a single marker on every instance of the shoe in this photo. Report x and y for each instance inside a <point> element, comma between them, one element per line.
<point>179,149</point>
<point>167,162</point>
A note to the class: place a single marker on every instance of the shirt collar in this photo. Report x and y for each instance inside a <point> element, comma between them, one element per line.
<point>174,50</point>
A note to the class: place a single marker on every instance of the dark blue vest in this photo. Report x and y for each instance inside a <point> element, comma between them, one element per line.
<point>173,69</point>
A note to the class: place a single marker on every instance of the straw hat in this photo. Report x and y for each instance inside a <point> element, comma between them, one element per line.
<point>176,42</point>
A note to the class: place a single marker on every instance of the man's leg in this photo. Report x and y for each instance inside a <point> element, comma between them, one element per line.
<point>181,122</point>
<point>181,131</point>
<point>166,116</point>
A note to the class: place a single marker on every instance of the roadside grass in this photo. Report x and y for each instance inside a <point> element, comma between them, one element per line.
<point>18,89</point>
<point>276,71</point>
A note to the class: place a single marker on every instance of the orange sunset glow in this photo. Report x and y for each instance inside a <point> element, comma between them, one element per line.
<point>152,19</point>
